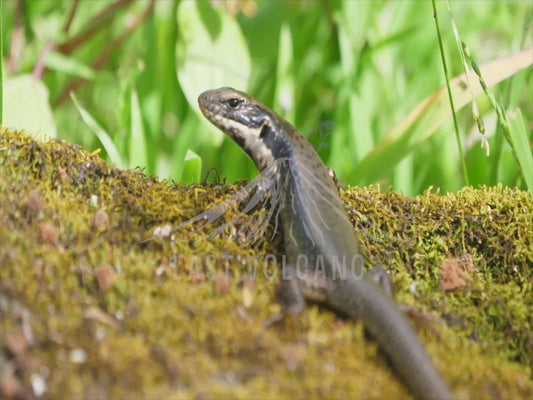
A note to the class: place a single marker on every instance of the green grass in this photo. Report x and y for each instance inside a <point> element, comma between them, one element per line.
<point>1,62</point>
<point>351,75</point>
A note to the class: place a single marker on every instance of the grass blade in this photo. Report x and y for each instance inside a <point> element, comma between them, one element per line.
<point>137,140</point>
<point>429,115</point>
<point>1,63</point>
<point>520,143</point>
<point>102,135</point>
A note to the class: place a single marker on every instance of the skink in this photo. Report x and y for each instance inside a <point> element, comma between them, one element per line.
<point>323,253</point>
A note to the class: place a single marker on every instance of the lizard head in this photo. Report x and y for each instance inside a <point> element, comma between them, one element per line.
<point>249,123</point>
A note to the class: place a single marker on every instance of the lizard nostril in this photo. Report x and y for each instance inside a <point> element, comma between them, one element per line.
<point>203,99</point>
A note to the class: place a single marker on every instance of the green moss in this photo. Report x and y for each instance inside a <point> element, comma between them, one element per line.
<point>163,328</point>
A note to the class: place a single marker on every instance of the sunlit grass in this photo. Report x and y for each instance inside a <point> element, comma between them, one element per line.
<point>359,68</point>
<point>1,62</point>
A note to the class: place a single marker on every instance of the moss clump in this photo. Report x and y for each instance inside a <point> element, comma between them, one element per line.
<point>93,311</point>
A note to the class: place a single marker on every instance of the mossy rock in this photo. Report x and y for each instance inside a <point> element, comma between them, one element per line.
<point>90,309</point>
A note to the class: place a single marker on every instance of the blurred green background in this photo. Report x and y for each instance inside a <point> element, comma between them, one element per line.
<point>124,76</point>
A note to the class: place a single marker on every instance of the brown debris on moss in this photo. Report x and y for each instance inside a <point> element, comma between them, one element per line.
<point>453,273</point>
<point>108,315</point>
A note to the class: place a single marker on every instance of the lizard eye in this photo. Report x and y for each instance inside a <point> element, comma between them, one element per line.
<point>234,103</point>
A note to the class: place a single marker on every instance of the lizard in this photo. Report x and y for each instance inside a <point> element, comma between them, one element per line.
<point>324,260</point>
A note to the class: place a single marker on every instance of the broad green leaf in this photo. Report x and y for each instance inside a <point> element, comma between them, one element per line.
<point>26,106</point>
<point>284,98</point>
<point>102,135</point>
<point>211,51</point>
<point>163,166</point>
<point>188,132</point>
<point>429,115</point>
<point>192,168</point>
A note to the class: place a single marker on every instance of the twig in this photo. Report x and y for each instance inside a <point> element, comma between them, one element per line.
<point>96,24</point>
